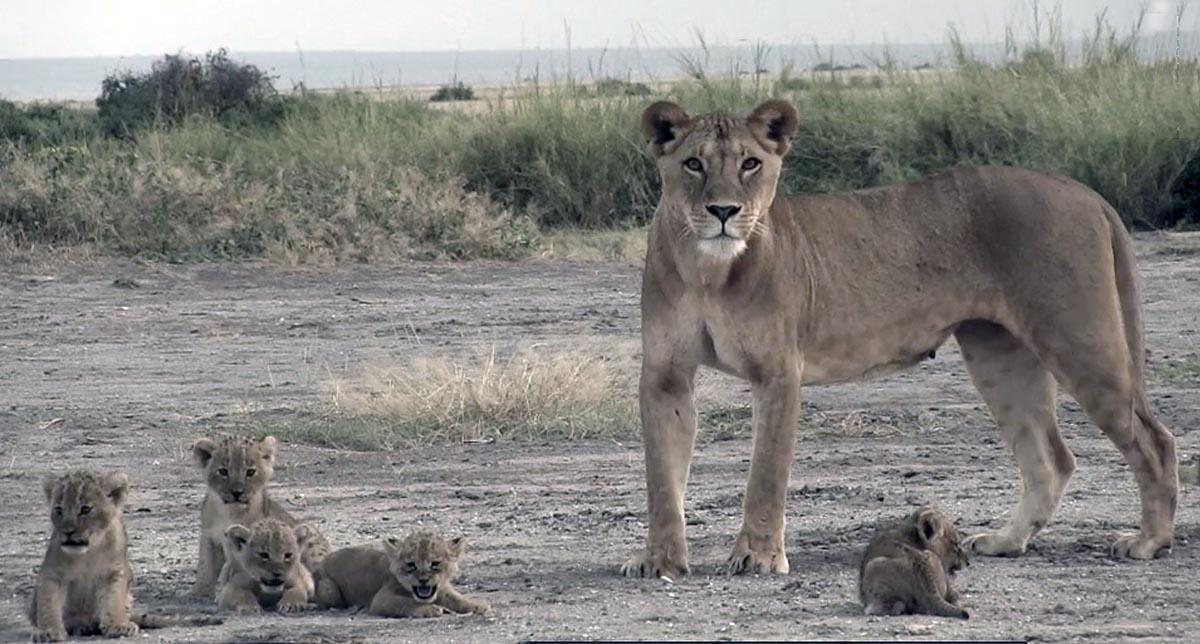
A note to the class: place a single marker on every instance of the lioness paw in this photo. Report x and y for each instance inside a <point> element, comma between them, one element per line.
<point>746,559</point>
<point>1137,546</point>
<point>654,565</point>
<point>119,630</point>
<point>994,544</point>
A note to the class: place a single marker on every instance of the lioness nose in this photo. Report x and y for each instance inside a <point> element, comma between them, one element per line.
<point>722,213</point>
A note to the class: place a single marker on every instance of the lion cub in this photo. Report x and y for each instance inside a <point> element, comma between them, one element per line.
<point>907,567</point>
<point>409,578</point>
<point>237,471</point>
<point>264,569</point>
<point>85,584</point>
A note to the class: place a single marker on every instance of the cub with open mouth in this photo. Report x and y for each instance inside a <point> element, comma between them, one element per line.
<point>413,577</point>
<point>264,569</point>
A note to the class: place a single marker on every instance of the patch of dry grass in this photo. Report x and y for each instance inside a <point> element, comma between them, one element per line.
<point>534,393</point>
<point>623,245</point>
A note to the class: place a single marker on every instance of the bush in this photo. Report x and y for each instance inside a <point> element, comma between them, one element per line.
<point>453,92</point>
<point>44,124</point>
<point>179,86</point>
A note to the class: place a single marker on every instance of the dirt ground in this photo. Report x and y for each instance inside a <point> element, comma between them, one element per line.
<point>99,375</point>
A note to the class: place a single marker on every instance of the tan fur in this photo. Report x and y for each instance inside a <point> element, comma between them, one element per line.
<point>1032,273</point>
<point>409,578</point>
<point>907,567</point>
<point>237,471</point>
<point>85,585</point>
<point>263,569</point>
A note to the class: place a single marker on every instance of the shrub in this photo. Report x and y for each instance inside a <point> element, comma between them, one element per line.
<point>453,92</point>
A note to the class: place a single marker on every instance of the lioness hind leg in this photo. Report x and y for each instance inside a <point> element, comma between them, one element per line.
<point>1020,393</point>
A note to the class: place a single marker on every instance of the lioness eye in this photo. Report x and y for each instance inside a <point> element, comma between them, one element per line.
<point>251,472</point>
<point>223,472</point>
<point>264,555</point>
<point>694,164</point>
<point>86,509</point>
<point>750,164</point>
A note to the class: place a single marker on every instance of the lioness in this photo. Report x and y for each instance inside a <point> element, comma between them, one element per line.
<point>85,583</point>
<point>409,578</point>
<point>263,569</point>
<point>1033,274</point>
<point>237,471</point>
<point>907,567</point>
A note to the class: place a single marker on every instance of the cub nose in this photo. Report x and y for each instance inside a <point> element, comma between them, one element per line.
<point>721,212</point>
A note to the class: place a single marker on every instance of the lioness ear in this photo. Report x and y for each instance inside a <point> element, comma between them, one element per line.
<point>269,447</point>
<point>662,124</point>
<point>238,535</point>
<point>774,123</point>
<point>48,483</point>
<point>202,451</point>
<point>117,486</point>
<point>457,544</point>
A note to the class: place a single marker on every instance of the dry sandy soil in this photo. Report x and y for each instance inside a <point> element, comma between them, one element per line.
<point>102,376</point>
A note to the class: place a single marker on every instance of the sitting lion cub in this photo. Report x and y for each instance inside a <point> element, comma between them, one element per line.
<point>409,578</point>
<point>907,567</point>
<point>264,569</point>
<point>237,471</point>
<point>85,584</point>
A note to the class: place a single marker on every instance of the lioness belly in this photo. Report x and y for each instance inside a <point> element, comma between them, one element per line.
<point>845,360</point>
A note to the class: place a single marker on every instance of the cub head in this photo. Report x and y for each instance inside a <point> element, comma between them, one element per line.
<point>936,533</point>
<point>268,551</point>
<point>719,172</point>
<point>423,562</point>
<point>83,505</point>
<point>236,469</point>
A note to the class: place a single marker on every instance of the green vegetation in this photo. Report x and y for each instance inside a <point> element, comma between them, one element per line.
<point>455,91</point>
<point>304,178</point>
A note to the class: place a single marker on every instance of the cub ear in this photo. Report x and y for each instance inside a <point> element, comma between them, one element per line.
<point>929,526</point>
<point>662,124</point>
<point>49,481</point>
<point>202,451</point>
<point>303,533</point>
<point>269,447</point>
<point>237,535</point>
<point>458,544</point>
<point>117,487</point>
<point>391,545</point>
<point>774,123</point>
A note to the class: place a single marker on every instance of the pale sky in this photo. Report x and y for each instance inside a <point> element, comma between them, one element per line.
<point>60,28</point>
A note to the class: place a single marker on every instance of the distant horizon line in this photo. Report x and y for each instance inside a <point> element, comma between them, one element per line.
<point>302,51</point>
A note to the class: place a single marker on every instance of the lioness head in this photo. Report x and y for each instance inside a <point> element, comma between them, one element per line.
<point>268,551</point>
<point>83,505</point>
<point>423,562</point>
<point>935,532</point>
<point>719,172</point>
<point>235,468</point>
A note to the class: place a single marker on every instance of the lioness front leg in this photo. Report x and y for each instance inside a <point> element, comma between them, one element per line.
<point>668,411</point>
<point>759,547</point>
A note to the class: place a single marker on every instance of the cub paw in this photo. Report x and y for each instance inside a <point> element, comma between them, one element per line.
<point>1137,546</point>
<point>994,544</point>
<point>425,611</point>
<point>41,635</point>
<point>247,609</point>
<point>655,565</point>
<point>483,608</point>
<point>119,630</point>
<point>292,607</point>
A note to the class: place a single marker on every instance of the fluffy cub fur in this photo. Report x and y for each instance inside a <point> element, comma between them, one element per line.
<point>264,569</point>
<point>907,567</point>
<point>237,471</point>
<point>85,584</point>
<point>409,578</point>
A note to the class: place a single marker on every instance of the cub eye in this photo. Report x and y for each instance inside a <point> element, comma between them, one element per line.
<point>287,556</point>
<point>251,472</point>
<point>223,472</point>
<point>86,509</point>
<point>750,164</point>
<point>410,567</point>
<point>694,164</point>
<point>435,566</point>
<point>264,555</point>
<point>58,510</point>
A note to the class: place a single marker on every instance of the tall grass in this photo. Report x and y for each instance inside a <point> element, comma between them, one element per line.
<point>347,178</point>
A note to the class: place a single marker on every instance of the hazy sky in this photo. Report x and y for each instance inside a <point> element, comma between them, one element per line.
<point>48,28</point>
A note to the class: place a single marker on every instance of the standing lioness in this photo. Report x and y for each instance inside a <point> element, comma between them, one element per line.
<point>1033,274</point>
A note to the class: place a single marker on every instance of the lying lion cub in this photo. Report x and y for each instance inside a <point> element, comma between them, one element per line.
<point>85,584</point>
<point>237,471</point>
<point>264,569</point>
<point>409,578</point>
<point>907,567</point>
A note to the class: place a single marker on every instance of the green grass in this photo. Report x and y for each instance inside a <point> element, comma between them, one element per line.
<point>351,179</point>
